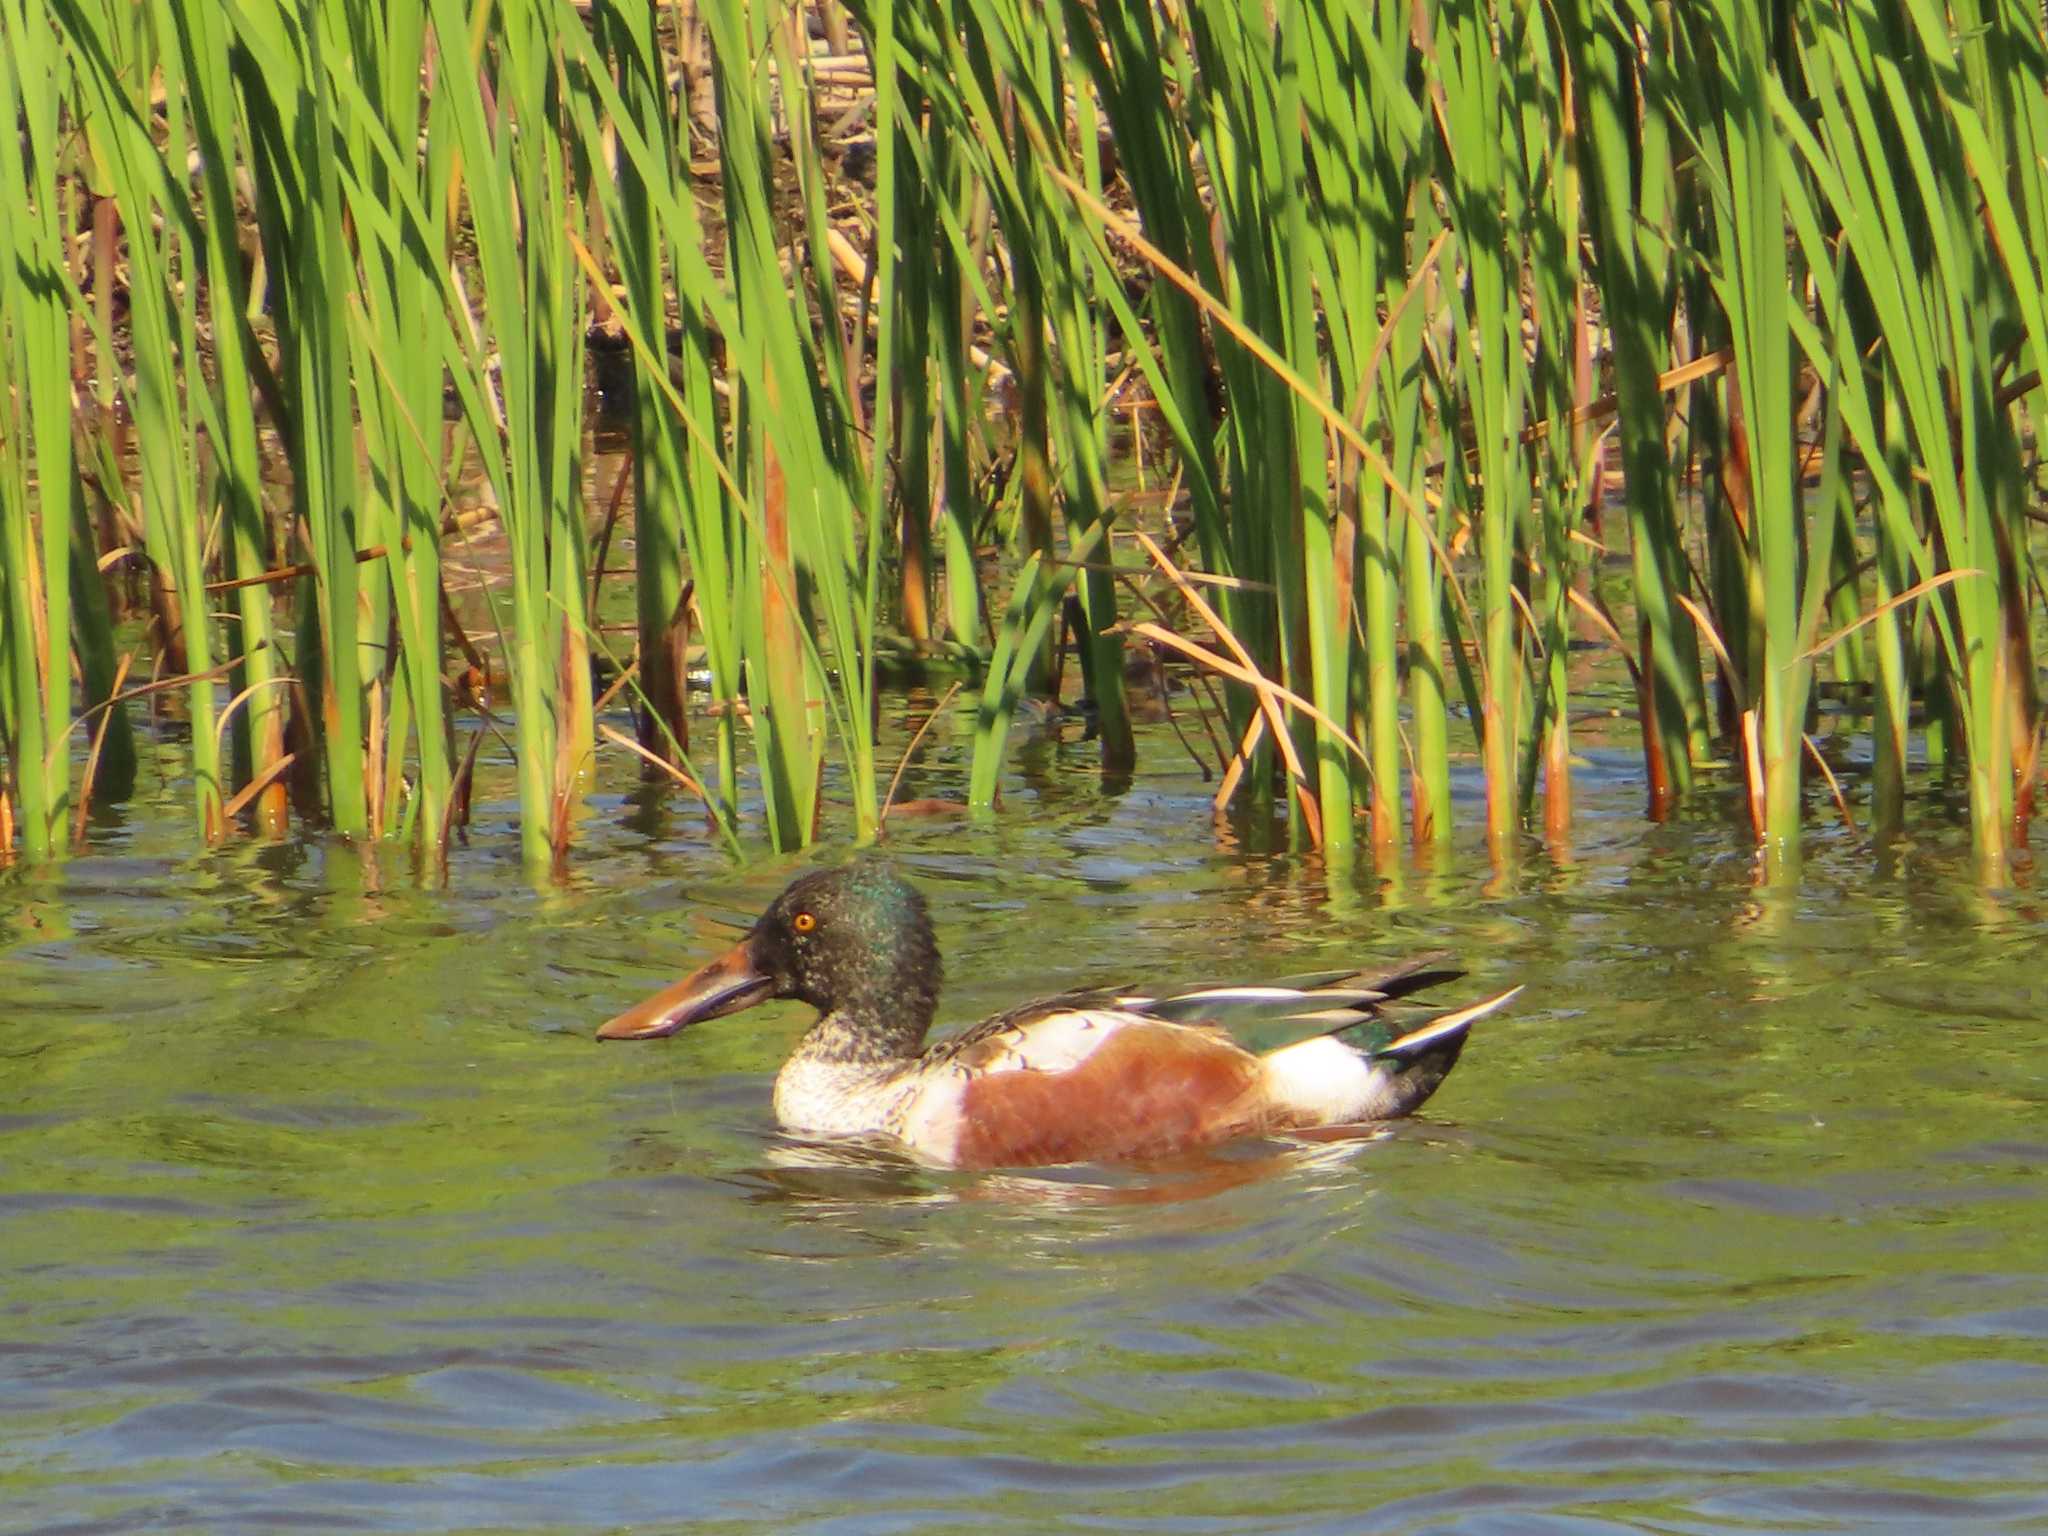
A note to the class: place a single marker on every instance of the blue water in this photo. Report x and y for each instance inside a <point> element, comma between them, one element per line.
<point>320,1211</point>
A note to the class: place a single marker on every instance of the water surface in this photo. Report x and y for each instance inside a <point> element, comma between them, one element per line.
<point>320,1211</point>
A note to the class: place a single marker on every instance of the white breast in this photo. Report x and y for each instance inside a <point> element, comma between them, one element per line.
<point>828,1098</point>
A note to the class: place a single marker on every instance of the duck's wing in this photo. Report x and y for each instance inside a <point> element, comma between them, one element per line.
<point>1271,1015</point>
<point>1052,1033</point>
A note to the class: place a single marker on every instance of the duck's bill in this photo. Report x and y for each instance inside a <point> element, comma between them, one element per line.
<point>733,981</point>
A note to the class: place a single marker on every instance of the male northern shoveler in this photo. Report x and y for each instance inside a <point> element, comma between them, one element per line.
<point>1086,1076</point>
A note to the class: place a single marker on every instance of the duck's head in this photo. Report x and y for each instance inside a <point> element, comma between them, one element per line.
<point>855,943</point>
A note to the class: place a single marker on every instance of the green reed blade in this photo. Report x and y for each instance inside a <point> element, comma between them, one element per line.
<point>1744,158</point>
<point>1478,146</point>
<point>959,203</point>
<point>399,332</point>
<point>780,470</point>
<point>2001,119</point>
<point>841,559</point>
<point>718,535</point>
<point>1853,334</point>
<point>1273,473</point>
<point>288,102</point>
<point>163,336</point>
<point>1064,294</point>
<point>507,442</point>
<point>1624,130</point>
<point>1131,77</point>
<point>35,675</point>
<point>1426,593</point>
<point>660,448</point>
<point>1364,141</point>
<point>992,55</point>
<point>1548,174</point>
<point>1914,239</point>
<point>1327,534</point>
<point>259,725</point>
<point>528,428</point>
<point>897,347</point>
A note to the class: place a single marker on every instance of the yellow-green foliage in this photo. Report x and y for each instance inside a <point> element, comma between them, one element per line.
<point>1409,290</point>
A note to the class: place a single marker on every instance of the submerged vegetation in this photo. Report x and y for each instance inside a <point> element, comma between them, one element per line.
<point>1459,333</point>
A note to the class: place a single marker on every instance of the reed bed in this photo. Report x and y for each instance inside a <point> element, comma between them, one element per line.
<point>1458,334</point>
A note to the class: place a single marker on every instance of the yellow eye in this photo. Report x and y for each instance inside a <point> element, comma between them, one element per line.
<point>803,922</point>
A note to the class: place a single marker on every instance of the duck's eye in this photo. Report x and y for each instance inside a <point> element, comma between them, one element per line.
<point>804,922</point>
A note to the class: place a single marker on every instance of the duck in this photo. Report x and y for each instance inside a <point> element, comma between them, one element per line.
<point>1098,1075</point>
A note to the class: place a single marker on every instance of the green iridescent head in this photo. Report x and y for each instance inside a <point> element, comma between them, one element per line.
<point>854,940</point>
<point>855,943</point>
